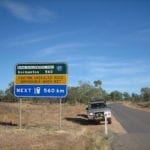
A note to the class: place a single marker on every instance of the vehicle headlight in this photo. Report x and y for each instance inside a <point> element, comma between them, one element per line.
<point>91,113</point>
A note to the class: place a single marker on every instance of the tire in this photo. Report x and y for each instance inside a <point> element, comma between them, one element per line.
<point>89,121</point>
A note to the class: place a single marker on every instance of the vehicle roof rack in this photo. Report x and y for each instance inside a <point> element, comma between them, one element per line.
<point>98,101</point>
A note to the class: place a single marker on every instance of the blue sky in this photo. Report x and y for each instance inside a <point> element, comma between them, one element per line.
<point>99,40</point>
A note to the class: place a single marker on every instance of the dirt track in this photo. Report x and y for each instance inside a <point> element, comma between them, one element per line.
<point>41,128</point>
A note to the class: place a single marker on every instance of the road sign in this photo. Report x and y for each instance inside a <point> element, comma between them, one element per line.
<point>40,80</point>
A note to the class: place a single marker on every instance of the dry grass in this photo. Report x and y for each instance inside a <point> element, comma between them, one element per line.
<point>41,128</point>
<point>139,106</point>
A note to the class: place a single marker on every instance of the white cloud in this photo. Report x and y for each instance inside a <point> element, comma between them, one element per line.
<point>119,68</point>
<point>62,50</point>
<point>29,14</point>
<point>32,39</point>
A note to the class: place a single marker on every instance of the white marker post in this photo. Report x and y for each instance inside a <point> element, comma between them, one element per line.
<point>60,113</point>
<point>106,127</point>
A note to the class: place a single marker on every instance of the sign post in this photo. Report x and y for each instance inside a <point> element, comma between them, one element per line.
<point>60,110</point>
<point>20,113</point>
<point>40,80</point>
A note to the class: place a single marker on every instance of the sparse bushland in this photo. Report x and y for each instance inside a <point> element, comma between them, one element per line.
<point>83,93</point>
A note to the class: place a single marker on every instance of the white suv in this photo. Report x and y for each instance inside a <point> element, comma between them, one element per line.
<point>97,111</point>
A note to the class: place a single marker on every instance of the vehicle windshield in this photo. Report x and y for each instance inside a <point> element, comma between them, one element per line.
<point>97,105</point>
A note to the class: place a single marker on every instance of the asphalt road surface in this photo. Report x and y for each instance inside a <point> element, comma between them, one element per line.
<point>137,125</point>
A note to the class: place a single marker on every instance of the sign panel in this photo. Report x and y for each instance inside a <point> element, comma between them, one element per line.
<point>41,80</point>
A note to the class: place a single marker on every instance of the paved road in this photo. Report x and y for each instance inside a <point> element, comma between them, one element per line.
<point>137,125</point>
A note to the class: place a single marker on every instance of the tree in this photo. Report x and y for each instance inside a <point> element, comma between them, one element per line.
<point>135,97</point>
<point>126,96</point>
<point>86,86</point>
<point>116,95</point>
<point>85,92</point>
<point>73,95</point>
<point>9,93</point>
<point>2,94</point>
<point>145,93</point>
<point>98,83</point>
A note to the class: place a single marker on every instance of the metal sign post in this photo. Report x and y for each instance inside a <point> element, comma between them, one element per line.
<point>60,111</point>
<point>20,113</point>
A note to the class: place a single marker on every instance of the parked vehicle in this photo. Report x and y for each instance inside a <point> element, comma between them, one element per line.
<point>97,110</point>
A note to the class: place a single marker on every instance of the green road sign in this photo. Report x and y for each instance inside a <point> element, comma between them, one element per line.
<point>41,80</point>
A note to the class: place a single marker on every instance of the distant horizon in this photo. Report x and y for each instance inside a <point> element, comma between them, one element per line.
<point>99,40</point>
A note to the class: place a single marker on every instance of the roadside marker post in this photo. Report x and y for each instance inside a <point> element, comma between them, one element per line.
<point>106,127</point>
<point>40,80</point>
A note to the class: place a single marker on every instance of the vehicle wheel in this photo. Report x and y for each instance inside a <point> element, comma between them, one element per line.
<point>109,120</point>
